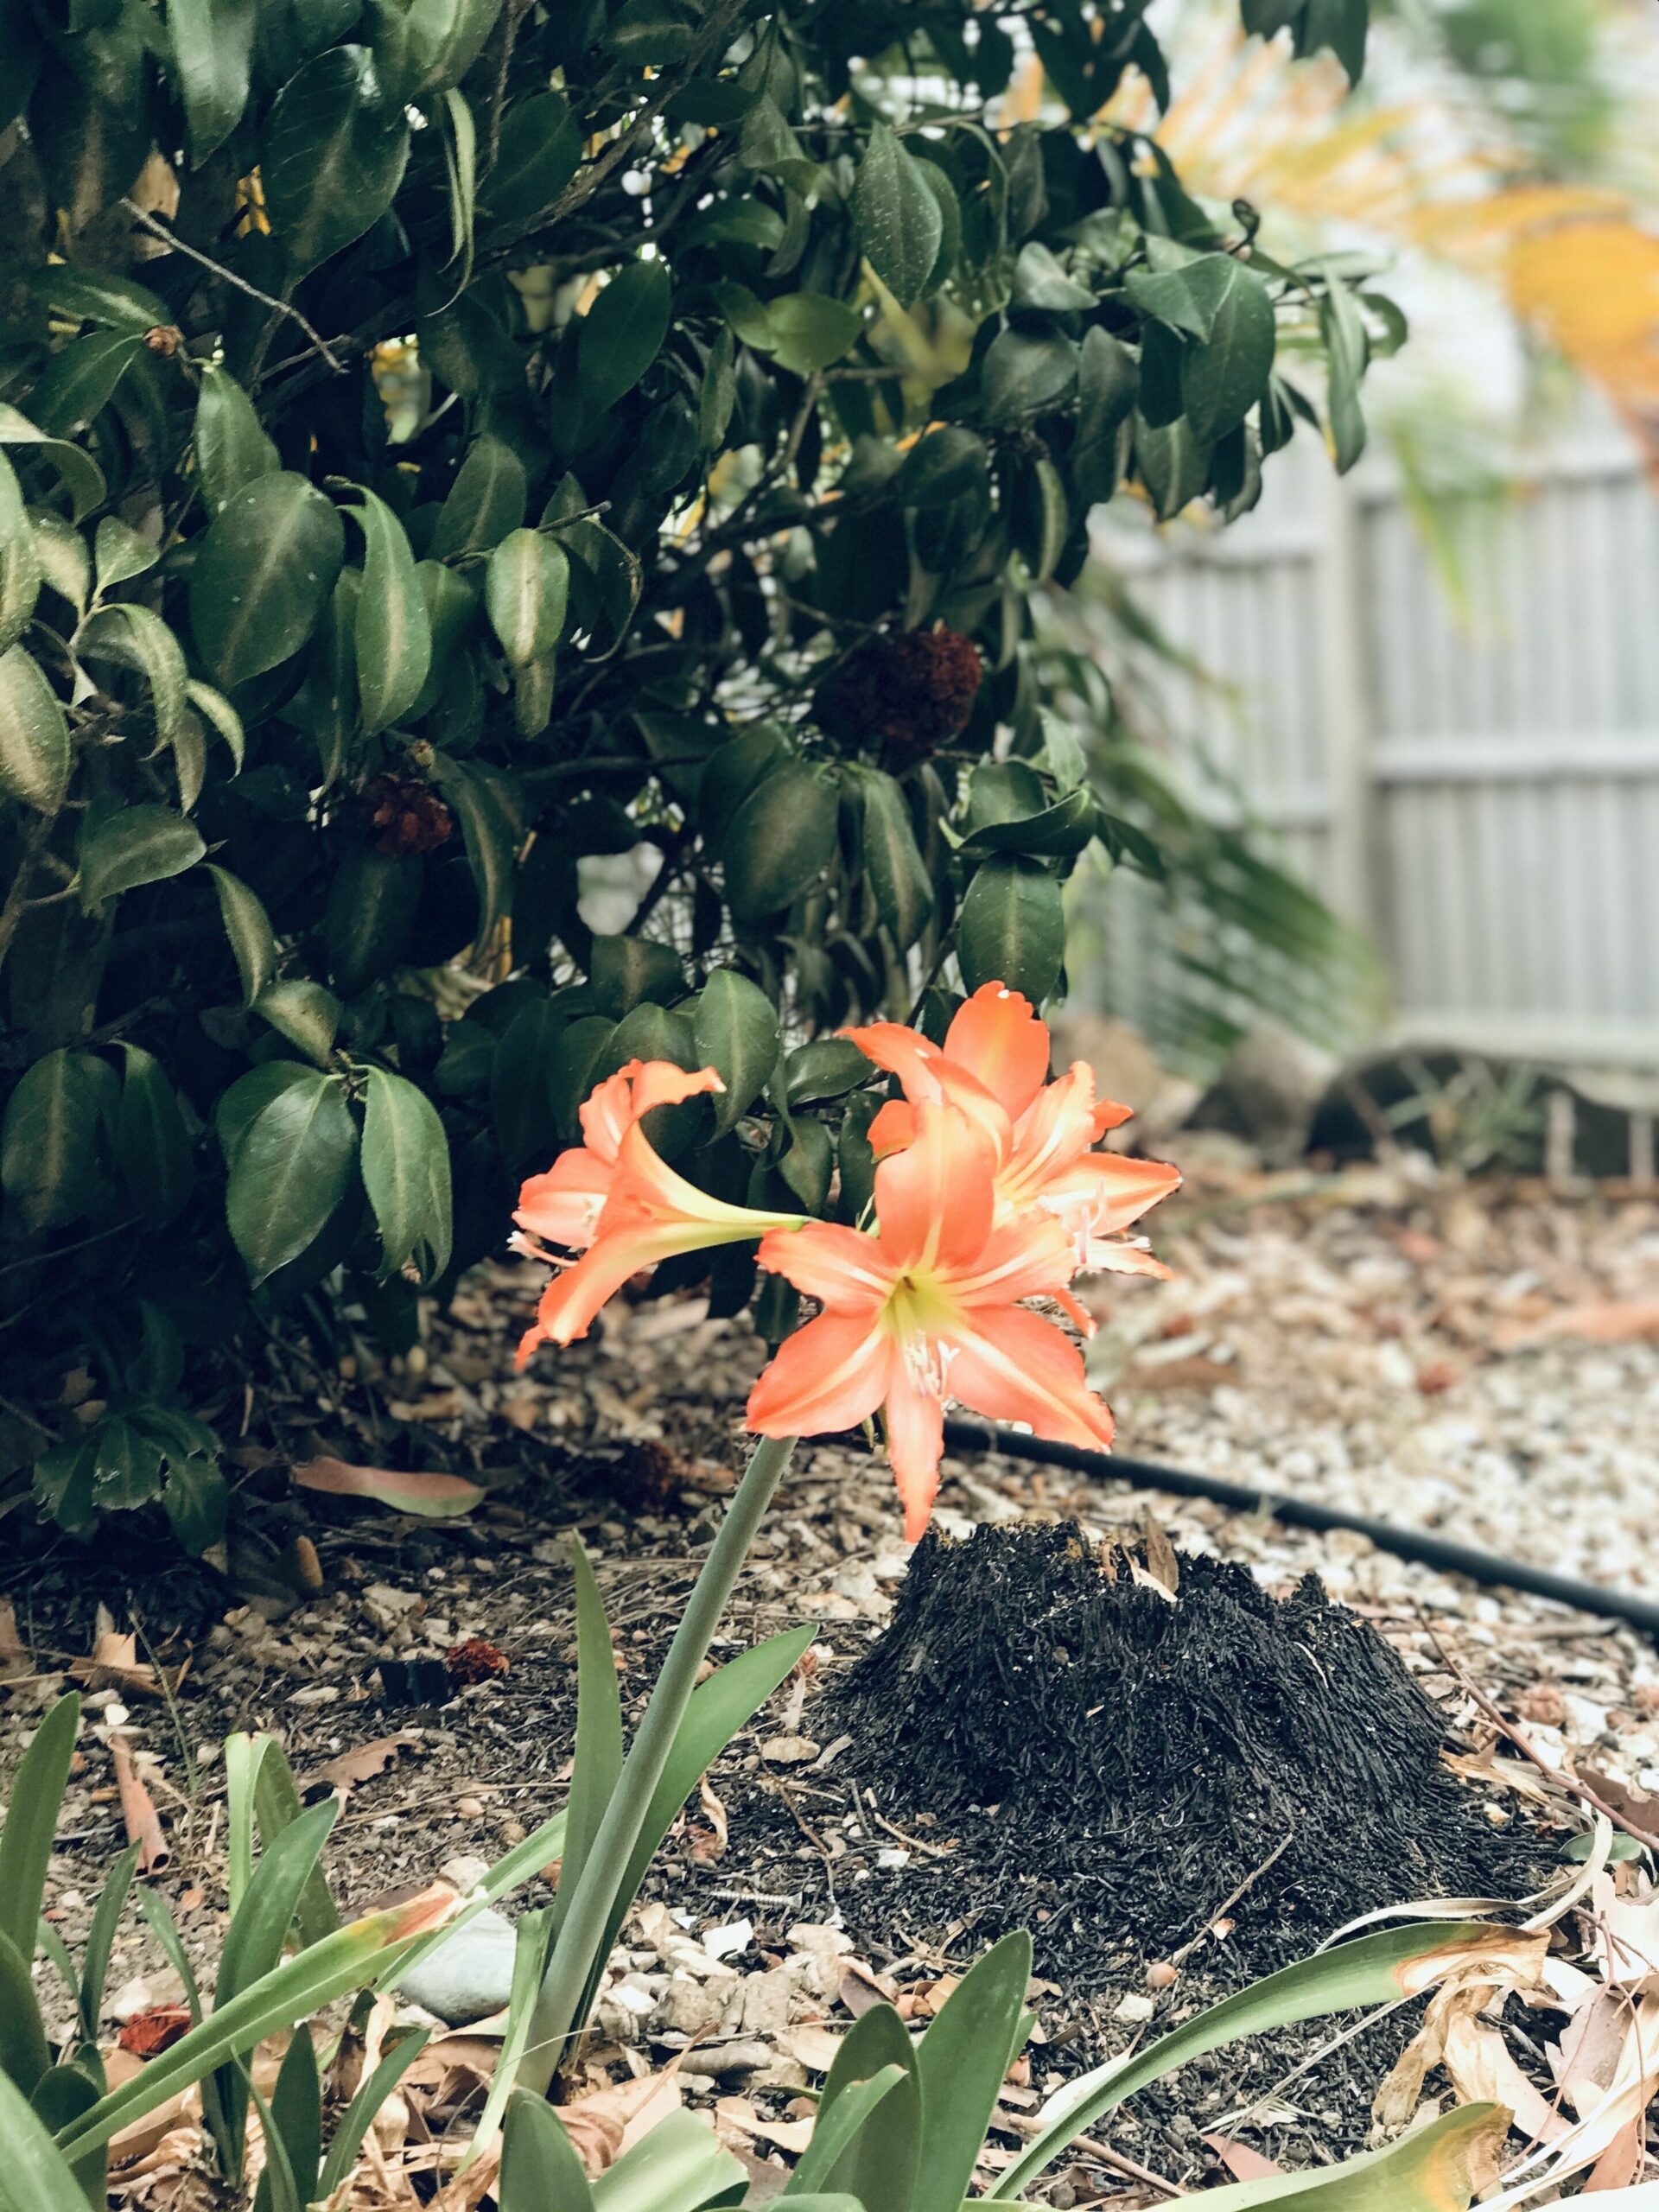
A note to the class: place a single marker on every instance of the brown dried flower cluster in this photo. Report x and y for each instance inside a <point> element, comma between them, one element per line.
<point>913,693</point>
<point>408,814</point>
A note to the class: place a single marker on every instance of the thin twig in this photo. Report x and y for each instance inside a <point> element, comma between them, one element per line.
<point>230,276</point>
<point>1528,1751</point>
<point>1227,1904</point>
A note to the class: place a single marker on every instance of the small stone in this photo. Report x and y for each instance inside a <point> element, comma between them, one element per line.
<point>788,1750</point>
<point>470,1976</point>
<point>470,1809</point>
<point>1161,1974</point>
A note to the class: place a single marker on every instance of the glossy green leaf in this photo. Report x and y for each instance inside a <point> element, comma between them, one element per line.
<point>423,46</point>
<point>526,584</point>
<point>486,502</point>
<point>1023,373</point>
<point>1012,929</point>
<point>248,927</point>
<point>19,559</point>
<point>49,1143</point>
<point>738,1032</point>
<point>65,559</point>
<point>248,1097</point>
<point>1041,284</point>
<point>893,862</point>
<point>78,471</point>
<point>135,638</point>
<point>899,222</point>
<point>81,381</point>
<point>808,331</point>
<point>289,1173</point>
<point>1109,383</point>
<point>152,1143</point>
<point>539,152</point>
<point>263,574</point>
<point>406,1173</point>
<point>1223,376</point>
<point>622,333</point>
<point>304,1013</point>
<point>33,1803</point>
<point>482,806</point>
<point>393,635</point>
<point>34,750</point>
<point>120,553</point>
<point>334,150</point>
<point>197,1499</point>
<point>943,466</point>
<point>1059,830</point>
<point>211,42</point>
<point>780,840</point>
<point>231,448</point>
<point>136,845</point>
<point>1343,333</point>
<point>373,901</point>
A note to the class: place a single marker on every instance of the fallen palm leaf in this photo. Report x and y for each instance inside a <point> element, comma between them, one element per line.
<point>433,1498</point>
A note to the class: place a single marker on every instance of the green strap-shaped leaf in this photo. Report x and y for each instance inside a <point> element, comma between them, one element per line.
<point>33,1802</point>
<point>900,221</point>
<point>539,2166</point>
<point>964,2055</point>
<point>598,1724</point>
<point>879,2165</point>
<point>24,2052</point>
<point>34,2175</point>
<point>334,150</point>
<point>406,1173</point>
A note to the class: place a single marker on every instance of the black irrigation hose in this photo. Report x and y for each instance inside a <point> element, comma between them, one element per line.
<point>1487,1567</point>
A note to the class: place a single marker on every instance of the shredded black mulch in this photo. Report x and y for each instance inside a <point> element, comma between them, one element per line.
<point>1114,1766</point>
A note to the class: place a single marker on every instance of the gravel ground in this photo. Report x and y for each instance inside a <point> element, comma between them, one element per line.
<point>1476,1358</point>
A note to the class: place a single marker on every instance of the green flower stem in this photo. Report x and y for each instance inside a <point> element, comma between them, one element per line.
<point>583,1928</point>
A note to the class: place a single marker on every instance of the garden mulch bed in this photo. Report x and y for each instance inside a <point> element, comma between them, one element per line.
<point>1440,1354</point>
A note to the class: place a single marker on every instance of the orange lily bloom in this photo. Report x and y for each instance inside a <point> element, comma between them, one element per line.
<point>924,1307</point>
<point>992,1067</point>
<point>615,1199</point>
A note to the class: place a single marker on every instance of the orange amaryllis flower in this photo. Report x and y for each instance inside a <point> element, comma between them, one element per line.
<point>615,1199</point>
<point>926,1307</point>
<point>992,1067</point>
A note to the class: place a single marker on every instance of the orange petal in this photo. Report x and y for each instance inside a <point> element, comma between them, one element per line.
<point>828,1376</point>
<point>1015,1366</point>
<point>893,1127</point>
<point>934,1200</point>
<point>997,1037</point>
<point>843,1269</point>
<point>1057,1128</point>
<point>914,1418</point>
<point>1115,1190</point>
<point>563,1207</point>
<point>1031,1256</point>
<point>902,1052</point>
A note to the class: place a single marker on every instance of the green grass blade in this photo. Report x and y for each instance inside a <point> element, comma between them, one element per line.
<point>963,2058</point>
<point>36,1795</point>
<point>60,2096</point>
<point>1376,1970</point>
<point>599,1726</point>
<point>276,1808</point>
<point>24,2056</point>
<point>539,2166</point>
<point>529,1965</point>
<point>677,2167</point>
<point>100,1940</point>
<point>295,2118</point>
<point>359,2116</point>
<point>34,2175</point>
<point>301,1987</point>
<point>833,2134</point>
<point>243,1756</point>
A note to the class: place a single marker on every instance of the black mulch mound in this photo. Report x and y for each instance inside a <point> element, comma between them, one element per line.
<point>1114,1766</point>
